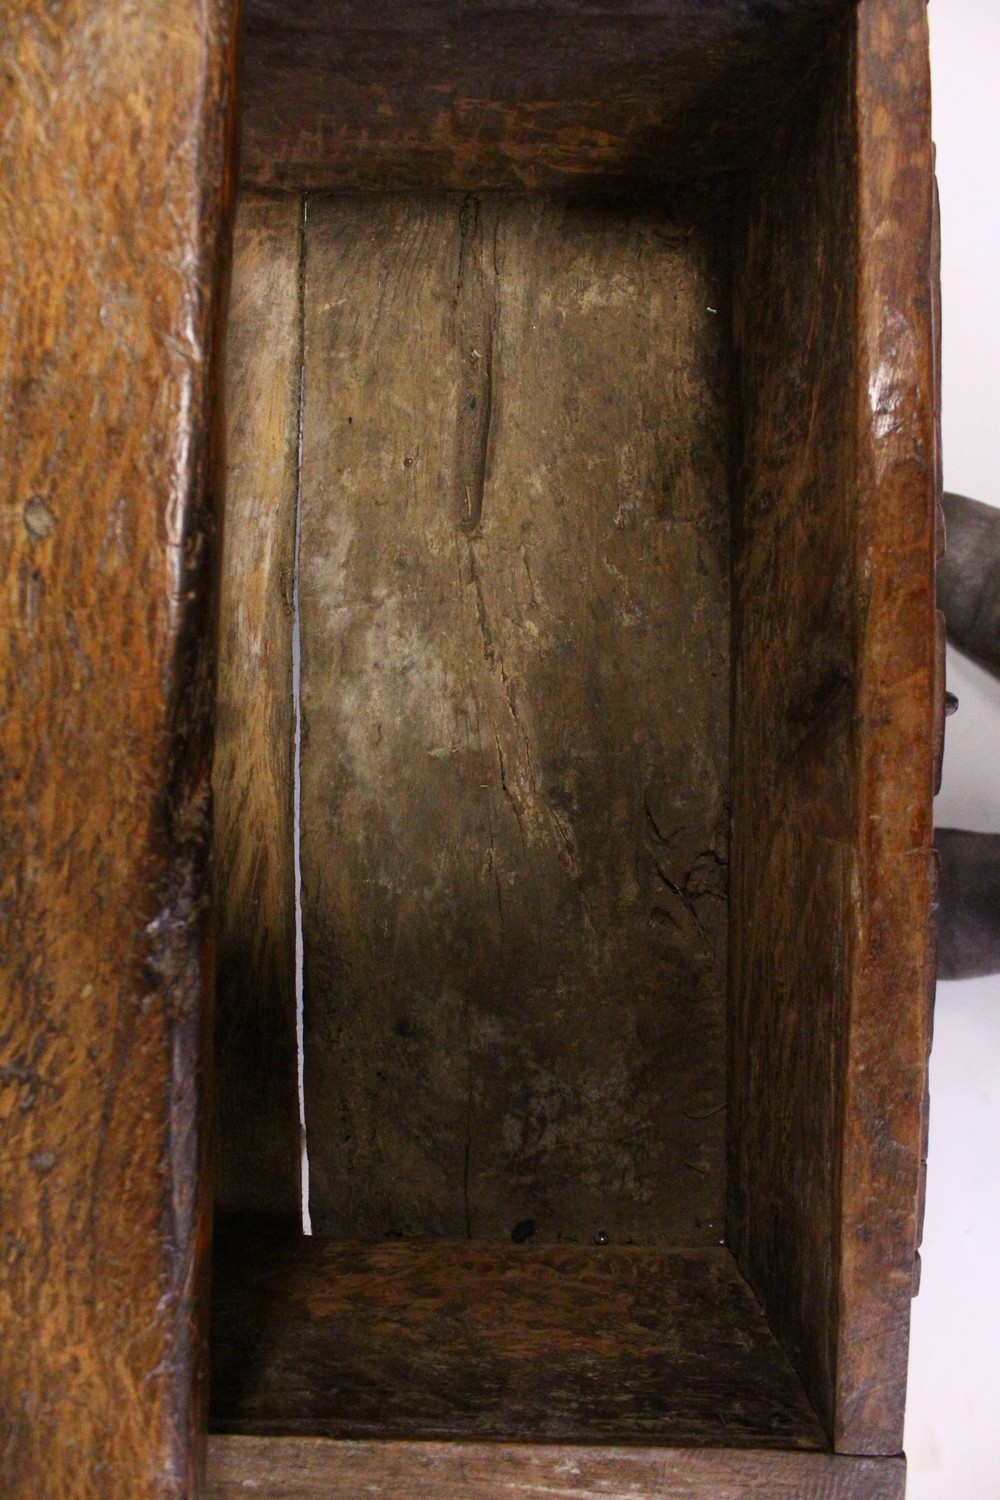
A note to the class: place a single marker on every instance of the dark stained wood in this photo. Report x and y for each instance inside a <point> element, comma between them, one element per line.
<point>888,1025</point>
<point>833,723</point>
<point>795,648</point>
<point>114,123</point>
<point>553,93</point>
<point>314,1469</point>
<point>466,1340</point>
<point>257,1133</point>
<point>515,696</point>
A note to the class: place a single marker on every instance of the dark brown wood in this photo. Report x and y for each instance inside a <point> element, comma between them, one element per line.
<point>114,121</point>
<point>892,956</point>
<point>833,722</point>
<point>257,1133</point>
<point>795,645</point>
<point>515,698</point>
<point>550,93</point>
<point>465,1340</point>
<point>313,1469</point>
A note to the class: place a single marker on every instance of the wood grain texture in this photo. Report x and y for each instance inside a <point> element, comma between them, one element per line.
<point>515,694</point>
<point>795,664</point>
<point>314,1469</point>
<point>833,724</point>
<point>888,1025</point>
<point>552,93</point>
<point>114,123</point>
<point>257,1133</point>
<point>467,1340</point>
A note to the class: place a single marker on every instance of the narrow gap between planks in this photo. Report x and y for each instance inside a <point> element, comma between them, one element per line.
<point>297,720</point>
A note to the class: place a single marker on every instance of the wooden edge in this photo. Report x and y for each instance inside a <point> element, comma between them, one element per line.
<point>310,1468</point>
<point>896,458</point>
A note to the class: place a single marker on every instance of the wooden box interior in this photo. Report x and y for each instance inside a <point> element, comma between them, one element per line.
<point>540,431</point>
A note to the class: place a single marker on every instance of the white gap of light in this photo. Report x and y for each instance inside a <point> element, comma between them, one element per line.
<point>297,751</point>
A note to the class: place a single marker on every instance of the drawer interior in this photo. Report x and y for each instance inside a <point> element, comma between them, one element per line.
<point>525,343</point>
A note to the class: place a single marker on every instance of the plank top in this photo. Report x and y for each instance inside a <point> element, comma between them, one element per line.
<point>313,1469</point>
<point>114,184</point>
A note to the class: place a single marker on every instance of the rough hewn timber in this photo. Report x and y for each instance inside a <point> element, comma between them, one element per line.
<point>114,178</point>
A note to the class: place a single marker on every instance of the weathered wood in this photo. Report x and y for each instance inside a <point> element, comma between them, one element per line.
<point>553,93</point>
<point>892,956</point>
<point>114,123</point>
<point>833,723</point>
<point>313,1469</point>
<point>795,645</point>
<point>515,695</point>
<point>466,1340</point>
<point>257,1133</point>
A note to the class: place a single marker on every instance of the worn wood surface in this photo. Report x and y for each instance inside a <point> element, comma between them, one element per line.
<point>257,1134</point>
<point>832,726</point>
<point>515,690</point>
<point>113,184</point>
<point>457,1340</point>
<point>795,645</point>
<point>313,1469</point>
<point>892,957</point>
<point>550,93</point>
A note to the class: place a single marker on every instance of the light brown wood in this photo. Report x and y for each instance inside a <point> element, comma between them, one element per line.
<point>467,1340</point>
<point>313,1469</point>
<point>515,695</point>
<point>258,1148</point>
<point>114,181</point>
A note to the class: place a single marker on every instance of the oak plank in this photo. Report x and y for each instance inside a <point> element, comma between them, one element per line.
<point>515,635</point>
<point>257,1132</point>
<point>892,963</point>
<point>795,649</point>
<point>315,1469</point>
<point>463,1340</point>
<point>833,722</point>
<point>115,121</point>
<point>555,94</point>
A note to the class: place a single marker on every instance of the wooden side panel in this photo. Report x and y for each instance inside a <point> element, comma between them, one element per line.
<point>892,878</point>
<point>113,185</point>
<point>257,1134</point>
<point>795,645</point>
<point>515,627</point>
<point>478,94</point>
<point>311,1469</point>
<point>462,1341</point>
<point>833,725</point>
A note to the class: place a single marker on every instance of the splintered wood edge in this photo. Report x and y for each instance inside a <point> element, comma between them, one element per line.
<point>310,1468</point>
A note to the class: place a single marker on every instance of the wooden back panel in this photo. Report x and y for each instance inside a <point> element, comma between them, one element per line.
<point>114,122</point>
